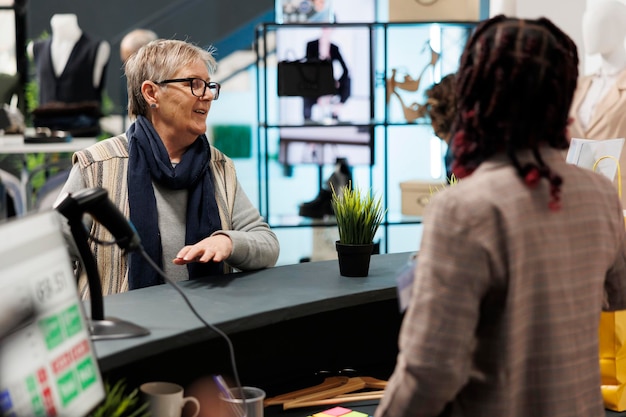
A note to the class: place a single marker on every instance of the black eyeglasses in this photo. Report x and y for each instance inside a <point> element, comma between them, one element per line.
<point>198,86</point>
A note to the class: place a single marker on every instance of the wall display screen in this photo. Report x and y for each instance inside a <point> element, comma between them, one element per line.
<point>328,124</point>
<point>330,119</point>
<point>324,145</point>
<point>301,11</point>
<point>47,364</point>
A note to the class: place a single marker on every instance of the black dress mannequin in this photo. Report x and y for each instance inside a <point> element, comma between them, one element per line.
<point>70,70</point>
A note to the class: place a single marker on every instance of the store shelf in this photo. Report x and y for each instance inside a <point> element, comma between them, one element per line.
<point>380,157</point>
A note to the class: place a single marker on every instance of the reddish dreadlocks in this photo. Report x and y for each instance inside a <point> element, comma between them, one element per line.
<point>514,89</point>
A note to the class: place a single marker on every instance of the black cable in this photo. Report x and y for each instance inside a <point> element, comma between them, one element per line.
<point>231,350</point>
<point>115,220</point>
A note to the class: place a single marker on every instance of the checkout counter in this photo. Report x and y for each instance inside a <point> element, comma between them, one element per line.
<point>290,327</point>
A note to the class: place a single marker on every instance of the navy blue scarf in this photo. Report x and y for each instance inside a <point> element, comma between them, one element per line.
<point>149,161</point>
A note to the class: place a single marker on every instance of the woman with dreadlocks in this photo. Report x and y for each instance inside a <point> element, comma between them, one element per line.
<point>518,259</point>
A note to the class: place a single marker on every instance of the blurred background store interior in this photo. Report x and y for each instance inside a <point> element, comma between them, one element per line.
<point>400,150</point>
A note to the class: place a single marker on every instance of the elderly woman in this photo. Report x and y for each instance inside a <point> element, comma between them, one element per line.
<point>181,194</point>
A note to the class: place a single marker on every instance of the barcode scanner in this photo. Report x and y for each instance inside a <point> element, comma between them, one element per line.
<point>95,201</point>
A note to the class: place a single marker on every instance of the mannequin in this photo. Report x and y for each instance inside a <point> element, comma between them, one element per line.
<point>70,70</point>
<point>65,34</point>
<point>600,99</point>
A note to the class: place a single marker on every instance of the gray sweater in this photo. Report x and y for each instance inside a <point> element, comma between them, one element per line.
<point>255,246</point>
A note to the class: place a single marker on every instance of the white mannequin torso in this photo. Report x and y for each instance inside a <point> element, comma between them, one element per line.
<point>65,34</point>
<point>604,31</point>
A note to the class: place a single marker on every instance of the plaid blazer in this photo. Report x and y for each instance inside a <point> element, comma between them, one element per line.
<point>505,307</point>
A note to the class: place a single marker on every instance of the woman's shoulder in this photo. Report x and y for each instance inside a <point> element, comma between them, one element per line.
<point>114,147</point>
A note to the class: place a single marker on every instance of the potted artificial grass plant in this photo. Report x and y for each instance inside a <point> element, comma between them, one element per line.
<point>358,216</point>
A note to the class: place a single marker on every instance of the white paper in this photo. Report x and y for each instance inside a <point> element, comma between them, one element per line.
<point>585,152</point>
<point>404,282</point>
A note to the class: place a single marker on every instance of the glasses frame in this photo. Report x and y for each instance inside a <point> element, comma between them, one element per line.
<point>207,85</point>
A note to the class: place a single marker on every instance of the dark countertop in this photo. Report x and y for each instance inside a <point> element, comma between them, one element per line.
<point>245,302</point>
<point>239,302</point>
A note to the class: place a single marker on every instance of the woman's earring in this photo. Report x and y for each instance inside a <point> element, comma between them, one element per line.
<point>153,105</point>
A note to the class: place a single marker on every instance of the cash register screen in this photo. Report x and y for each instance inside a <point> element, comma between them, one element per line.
<point>47,365</point>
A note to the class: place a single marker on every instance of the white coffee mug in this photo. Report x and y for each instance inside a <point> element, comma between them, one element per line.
<point>166,399</point>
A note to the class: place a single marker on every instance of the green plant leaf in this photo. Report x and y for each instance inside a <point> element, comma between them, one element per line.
<point>358,214</point>
<point>120,403</point>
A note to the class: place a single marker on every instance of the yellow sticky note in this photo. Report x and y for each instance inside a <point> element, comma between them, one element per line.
<point>355,414</point>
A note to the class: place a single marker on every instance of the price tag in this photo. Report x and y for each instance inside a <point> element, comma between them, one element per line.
<point>404,282</point>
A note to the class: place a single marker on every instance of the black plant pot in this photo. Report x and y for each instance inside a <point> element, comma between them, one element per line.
<point>354,260</point>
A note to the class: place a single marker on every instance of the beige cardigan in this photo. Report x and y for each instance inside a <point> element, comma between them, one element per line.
<point>105,165</point>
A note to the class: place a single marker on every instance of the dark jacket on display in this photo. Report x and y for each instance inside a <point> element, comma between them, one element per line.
<point>75,83</point>
<point>313,52</point>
